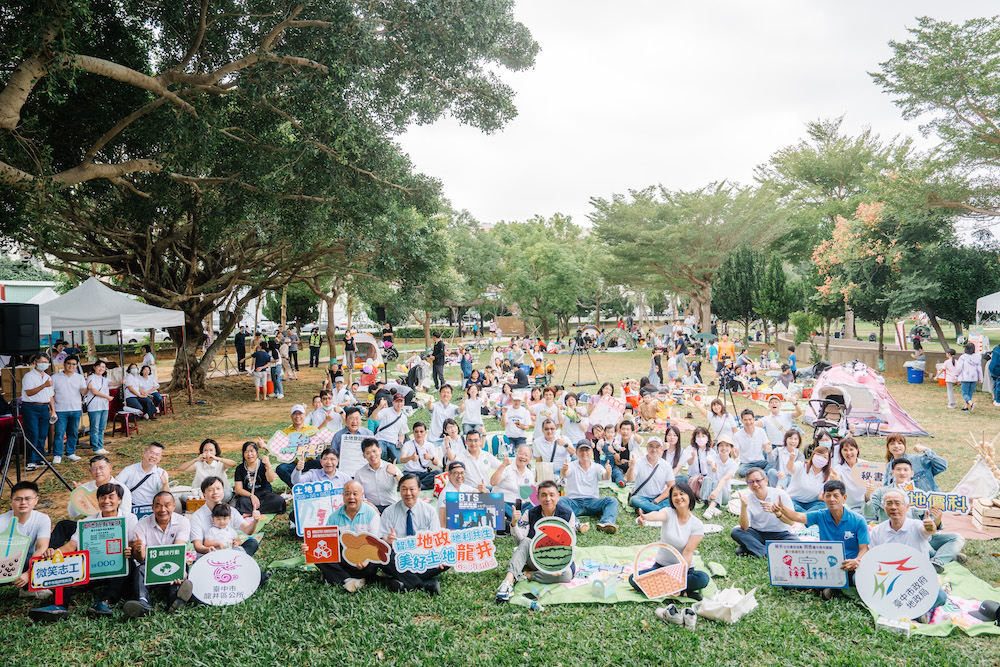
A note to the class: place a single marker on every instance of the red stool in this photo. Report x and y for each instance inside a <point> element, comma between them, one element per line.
<point>127,422</point>
<point>166,404</point>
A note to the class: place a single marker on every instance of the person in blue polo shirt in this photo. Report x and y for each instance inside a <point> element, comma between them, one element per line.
<point>836,524</point>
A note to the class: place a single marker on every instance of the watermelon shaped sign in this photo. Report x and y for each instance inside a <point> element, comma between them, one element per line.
<point>552,546</point>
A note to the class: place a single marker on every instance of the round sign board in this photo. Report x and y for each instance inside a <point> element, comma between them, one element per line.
<point>897,581</point>
<point>552,546</point>
<point>224,577</point>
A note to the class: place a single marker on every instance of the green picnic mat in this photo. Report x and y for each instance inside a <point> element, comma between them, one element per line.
<point>580,589</point>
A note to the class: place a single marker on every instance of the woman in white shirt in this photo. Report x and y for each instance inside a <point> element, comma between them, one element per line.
<point>682,530</point>
<point>672,450</point>
<point>719,421</point>
<point>472,410</point>
<point>98,401</point>
<point>149,385</point>
<point>572,415</point>
<point>808,477</point>
<point>135,395</point>
<point>857,494</point>
<point>777,460</point>
<point>208,464</point>
<point>149,360</point>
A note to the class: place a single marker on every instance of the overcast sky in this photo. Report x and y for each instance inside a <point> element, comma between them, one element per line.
<point>626,94</point>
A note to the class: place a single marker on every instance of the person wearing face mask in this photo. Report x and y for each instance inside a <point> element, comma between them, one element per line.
<point>135,395</point>
<point>822,438</point>
<point>808,478</point>
<point>38,408</point>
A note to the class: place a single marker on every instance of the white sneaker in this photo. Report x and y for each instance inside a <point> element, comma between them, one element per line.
<point>996,404</point>
<point>951,406</point>
<point>101,452</point>
<point>30,466</point>
<point>37,595</point>
<point>279,395</point>
<point>690,619</point>
<point>670,614</point>
<point>711,512</point>
<point>57,459</point>
<point>352,585</point>
<point>72,457</point>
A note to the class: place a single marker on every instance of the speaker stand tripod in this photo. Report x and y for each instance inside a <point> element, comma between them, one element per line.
<point>578,353</point>
<point>18,441</point>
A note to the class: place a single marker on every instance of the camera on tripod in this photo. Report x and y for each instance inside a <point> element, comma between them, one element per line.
<point>581,340</point>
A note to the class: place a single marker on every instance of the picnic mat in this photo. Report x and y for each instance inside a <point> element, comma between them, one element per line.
<point>962,524</point>
<point>613,565</point>
<point>965,593</point>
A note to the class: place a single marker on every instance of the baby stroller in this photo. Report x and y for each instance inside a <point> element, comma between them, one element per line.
<point>389,351</point>
<point>832,411</point>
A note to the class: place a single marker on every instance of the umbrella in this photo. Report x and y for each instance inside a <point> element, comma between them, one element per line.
<point>705,336</point>
<point>665,330</point>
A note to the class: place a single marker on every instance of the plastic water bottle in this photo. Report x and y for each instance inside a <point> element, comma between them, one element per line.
<point>533,605</point>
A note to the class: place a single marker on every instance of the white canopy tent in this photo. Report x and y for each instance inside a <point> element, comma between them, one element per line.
<point>46,295</point>
<point>94,305</point>
<point>989,304</point>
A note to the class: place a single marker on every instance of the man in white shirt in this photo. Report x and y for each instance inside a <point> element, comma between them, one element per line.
<point>758,523</point>
<point>479,464</point>
<point>379,477</point>
<point>35,526</point>
<point>440,412</point>
<point>101,471</point>
<point>37,408</point>
<point>161,528</point>
<point>516,420</point>
<point>552,449</point>
<point>456,484</point>
<point>68,387</point>
<point>511,476</point>
<point>146,478</point>
<point>392,429</point>
<point>752,444</point>
<point>582,492</point>
<point>777,423</point>
<point>420,458</point>
<point>327,415</point>
<point>327,472</point>
<point>406,518</point>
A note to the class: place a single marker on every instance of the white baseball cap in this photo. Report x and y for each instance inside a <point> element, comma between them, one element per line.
<point>298,407</point>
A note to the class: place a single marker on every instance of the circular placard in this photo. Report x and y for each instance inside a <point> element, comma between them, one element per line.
<point>897,581</point>
<point>553,545</point>
<point>224,577</point>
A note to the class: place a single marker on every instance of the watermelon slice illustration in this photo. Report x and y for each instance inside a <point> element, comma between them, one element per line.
<point>553,545</point>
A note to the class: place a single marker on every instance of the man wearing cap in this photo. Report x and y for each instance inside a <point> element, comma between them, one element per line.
<point>301,429</point>
<point>314,342</point>
<point>456,484</point>
<point>240,339</point>
<point>777,423</point>
<point>406,518</point>
<point>392,429</point>
<point>517,420</point>
<point>342,396</point>
<point>651,476</point>
<point>899,528</point>
<point>327,415</point>
<point>582,493</point>
<point>378,477</point>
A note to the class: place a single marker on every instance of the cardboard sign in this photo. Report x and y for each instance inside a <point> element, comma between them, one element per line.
<point>864,471</point>
<point>322,544</point>
<point>141,510</point>
<point>473,510</point>
<point>224,577</point>
<point>466,550</point>
<point>897,581</point>
<point>14,548</point>
<point>360,549</point>
<point>553,545</point>
<point>84,501</point>
<point>806,564</point>
<point>935,500</point>
<point>314,503</point>
<point>63,569</point>
<point>105,540</point>
<point>663,579</point>
<point>287,447</point>
<point>351,456</point>
<point>165,564</point>
<point>609,410</point>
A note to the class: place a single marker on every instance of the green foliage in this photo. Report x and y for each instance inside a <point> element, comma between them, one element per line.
<point>12,269</point>
<point>774,298</point>
<point>805,324</point>
<point>300,305</point>
<point>738,285</point>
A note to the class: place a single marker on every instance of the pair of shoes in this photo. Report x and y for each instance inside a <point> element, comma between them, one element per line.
<point>36,595</point>
<point>670,614</point>
<point>433,587</point>
<point>279,395</point>
<point>693,595</point>
<point>53,612</point>
<point>608,528</point>
<point>505,591</point>
<point>827,594</point>
<point>951,406</point>
<point>72,457</point>
<point>56,459</point>
<point>938,565</point>
<point>101,452</point>
<point>137,609</point>
<point>100,608</point>
<point>965,409</point>
<point>995,404</point>
<point>184,594</point>
<point>395,586</point>
<point>31,466</point>
<point>712,512</point>
<point>353,585</point>
<point>961,558</point>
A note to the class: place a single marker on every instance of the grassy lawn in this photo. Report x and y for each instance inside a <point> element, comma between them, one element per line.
<point>298,620</point>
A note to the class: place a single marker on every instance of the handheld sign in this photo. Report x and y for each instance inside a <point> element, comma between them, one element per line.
<point>806,564</point>
<point>14,551</point>
<point>141,510</point>
<point>864,471</point>
<point>351,456</point>
<point>84,501</point>
<point>466,550</point>
<point>935,500</point>
<point>165,564</point>
<point>360,549</point>
<point>322,544</point>
<point>471,510</point>
<point>63,569</point>
<point>897,581</point>
<point>662,580</point>
<point>553,545</point>
<point>609,410</point>
<point>287,447</point>
<point>314,503</point>
<point>105,540</point>
<point>224,577</point>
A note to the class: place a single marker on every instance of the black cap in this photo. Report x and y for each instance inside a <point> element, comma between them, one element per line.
<point>987,611</point>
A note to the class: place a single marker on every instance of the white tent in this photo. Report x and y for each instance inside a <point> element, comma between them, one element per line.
<point>46,295</point>
<point>988,304</point>
<point>94,305</point>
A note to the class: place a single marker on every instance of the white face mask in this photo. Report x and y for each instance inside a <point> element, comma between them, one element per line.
<point>820,461</point>
<point>702,441</point>
<point>42,366</point>
<point>134,371</point>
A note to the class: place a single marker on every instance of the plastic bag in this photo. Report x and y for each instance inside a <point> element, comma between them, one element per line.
<point>728,605</point>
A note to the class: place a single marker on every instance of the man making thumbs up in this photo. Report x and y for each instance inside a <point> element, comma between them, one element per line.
<point>758,524</point>
<point>582,493</point>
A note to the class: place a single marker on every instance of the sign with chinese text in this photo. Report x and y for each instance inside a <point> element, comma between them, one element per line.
<point>897,581</point>
<point>314,503</point>
<point>806,564</point>
<point>105,540</point>
<point>322,544</point>
<point>165,564</point>
<point>224,577</point>
<point>287,447</point>
<point>472,510</point>
<point>63,569</point>
<point>466,550</point>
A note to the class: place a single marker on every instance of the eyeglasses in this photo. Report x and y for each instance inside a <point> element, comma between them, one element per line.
<point>755,482</point>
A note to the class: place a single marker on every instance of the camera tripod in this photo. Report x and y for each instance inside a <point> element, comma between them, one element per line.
<point>578,354</point>
<point>225,366</point>
<point>725,389</point>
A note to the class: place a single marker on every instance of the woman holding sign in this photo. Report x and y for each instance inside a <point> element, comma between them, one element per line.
<point>858,491</point>
<point>253,483</point>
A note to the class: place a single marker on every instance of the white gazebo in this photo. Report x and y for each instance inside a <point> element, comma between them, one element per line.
<point>989,304</point>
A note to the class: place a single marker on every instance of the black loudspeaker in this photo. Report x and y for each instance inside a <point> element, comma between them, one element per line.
<point>380,313</point>
<point>19,328</point>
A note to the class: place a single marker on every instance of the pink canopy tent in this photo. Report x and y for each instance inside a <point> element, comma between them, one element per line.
<point>863,391</point>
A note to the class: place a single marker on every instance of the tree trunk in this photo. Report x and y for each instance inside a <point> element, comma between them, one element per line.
<point>350,309</point>
<point>881,345</point>
<point>826,348</point>
<point>937,329</point>
<point>597,311</point>
<point>91,346</point>
<point>958,329</point>
<point>426,322</point>
<point>545,327</point>
<point>767,332</point>
<point>152,339</point>
<point>849,332</point>
<point>256,315</point>
<point>284,306</point>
